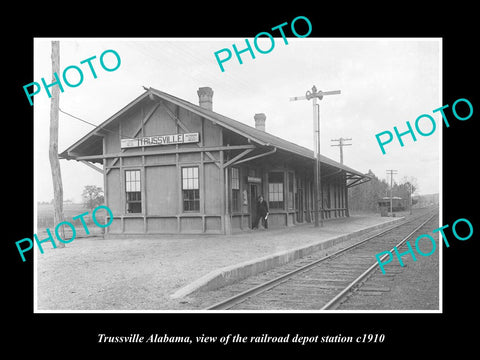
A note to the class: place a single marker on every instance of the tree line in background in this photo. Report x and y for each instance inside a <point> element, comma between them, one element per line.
<point>365,197</point>
<point>92,196</point>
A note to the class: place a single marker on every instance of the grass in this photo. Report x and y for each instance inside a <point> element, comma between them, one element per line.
<point>45,219</point>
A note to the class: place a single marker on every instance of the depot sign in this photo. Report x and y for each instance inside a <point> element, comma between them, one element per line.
<point>160,140</point>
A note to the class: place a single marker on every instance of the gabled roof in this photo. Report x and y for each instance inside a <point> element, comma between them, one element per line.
<point>255,135</point>
<point>91,143</point>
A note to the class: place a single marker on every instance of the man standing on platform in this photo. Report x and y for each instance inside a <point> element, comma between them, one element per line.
<point>262,213</point>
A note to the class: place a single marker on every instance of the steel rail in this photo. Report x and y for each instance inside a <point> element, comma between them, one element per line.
<point>238,298</point>
<point>332,304</point>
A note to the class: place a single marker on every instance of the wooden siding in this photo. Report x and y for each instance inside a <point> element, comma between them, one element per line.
<point>162,204</point>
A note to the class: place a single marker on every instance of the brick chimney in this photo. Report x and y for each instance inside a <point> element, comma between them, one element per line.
<point>260,121</point>
<point>205,95</point>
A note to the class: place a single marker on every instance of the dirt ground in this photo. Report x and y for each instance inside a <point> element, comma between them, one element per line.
<point>141,274</point>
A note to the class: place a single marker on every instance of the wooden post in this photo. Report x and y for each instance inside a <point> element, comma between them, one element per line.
<point>347,211</point>
<point>53,146</point>
<point>228,215</point>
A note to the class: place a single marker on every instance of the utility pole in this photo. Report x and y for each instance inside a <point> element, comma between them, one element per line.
<point>53,145</point>
<point>314,95</point>
<point>341,144</point>
<point>391,173</point>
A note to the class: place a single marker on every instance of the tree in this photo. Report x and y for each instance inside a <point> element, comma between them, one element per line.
<point>365,197</point>
<point>407,181</point>
<point>92,196</point>
<point>407,188</point>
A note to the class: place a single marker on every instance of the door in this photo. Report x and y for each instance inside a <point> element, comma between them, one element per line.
<point>253,203</point>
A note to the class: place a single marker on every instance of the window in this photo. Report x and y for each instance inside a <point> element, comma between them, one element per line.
<point>235,190</point>
<point>190,189</point>
<point>133,191</point>
<point>275,190</point>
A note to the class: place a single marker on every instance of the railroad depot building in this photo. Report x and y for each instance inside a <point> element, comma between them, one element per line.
<point>170,166</point>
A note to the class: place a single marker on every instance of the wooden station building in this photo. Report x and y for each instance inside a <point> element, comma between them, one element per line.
<point>170,166</point>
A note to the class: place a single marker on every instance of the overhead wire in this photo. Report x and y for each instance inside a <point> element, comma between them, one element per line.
<point>96,126</point>
<point>189,56</point>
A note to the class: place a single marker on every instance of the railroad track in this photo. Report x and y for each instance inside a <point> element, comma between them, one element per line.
<point>322,284</point>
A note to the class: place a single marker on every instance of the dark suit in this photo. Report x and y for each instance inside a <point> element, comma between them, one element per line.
<point>262,211</point>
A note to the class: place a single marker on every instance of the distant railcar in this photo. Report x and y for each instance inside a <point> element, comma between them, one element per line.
<point>398,204</point>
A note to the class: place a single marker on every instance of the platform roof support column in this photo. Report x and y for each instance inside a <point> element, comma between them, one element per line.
<point>228,219</point>
<point>225,204</point>
<point>347,212</point>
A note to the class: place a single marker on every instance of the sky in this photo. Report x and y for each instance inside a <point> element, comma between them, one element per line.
<point>384,82</point>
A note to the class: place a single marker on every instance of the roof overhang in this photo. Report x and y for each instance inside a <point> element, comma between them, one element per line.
<point>89,144</point>
<point>355,179</point>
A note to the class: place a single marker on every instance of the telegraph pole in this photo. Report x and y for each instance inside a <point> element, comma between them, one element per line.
<point>53,145</point>
<point>314,95</point>
<point>341,144</point>
<point>391,173</point>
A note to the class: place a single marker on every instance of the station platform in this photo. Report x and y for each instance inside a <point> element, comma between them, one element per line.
<point>271,248</point>
<point>158,273</point>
